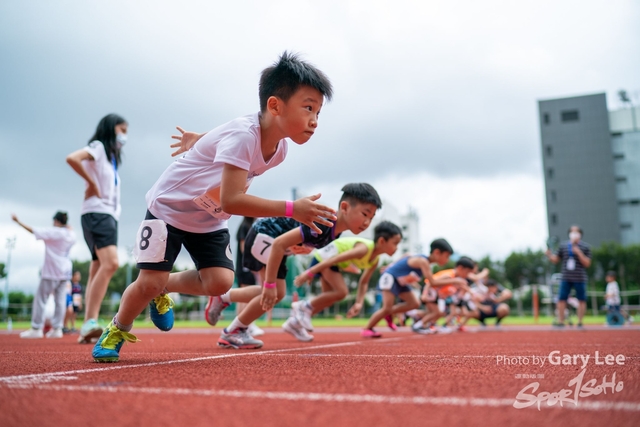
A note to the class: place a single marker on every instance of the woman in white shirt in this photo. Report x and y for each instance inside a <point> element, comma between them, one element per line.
<point>98,164</point>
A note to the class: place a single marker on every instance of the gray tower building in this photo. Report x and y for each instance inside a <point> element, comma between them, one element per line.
<point>578,160</point>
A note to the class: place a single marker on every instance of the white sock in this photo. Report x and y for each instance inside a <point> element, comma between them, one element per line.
<point>418,324</point>
<point>236,324</point>
<point>226,297</point>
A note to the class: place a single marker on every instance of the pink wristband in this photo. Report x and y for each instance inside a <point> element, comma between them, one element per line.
<point>288,209</point>
<point>310,274</point>
<point>269,285</point>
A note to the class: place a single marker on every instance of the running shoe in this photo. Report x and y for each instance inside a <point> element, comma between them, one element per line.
<point>54,333</point>
<point>424,330</point>
<point>462,328</point>
<point>107,349</point>
<point>444,330</point>
<point>214,308</point>
<point>89,331</point>
<point>32,333</point>
<point>389,319</point>
<point>302,314</point>
<point>238,339</point>
<point>255,331</point>
<point>370,333</point>
<point>161,312</point>
<point>293,327</point>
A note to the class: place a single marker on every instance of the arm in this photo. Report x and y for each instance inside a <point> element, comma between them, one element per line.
<point>186,140</point>
<point>358,251</point>
<point>480,276</point>
<point>505,295</point>
<point>235,201</point>
<point>26,227</point>
<point>363,286</point>
<point>584,260</point>
<point>552,257</point>
<point>280,245</point>
<point>75,161</point>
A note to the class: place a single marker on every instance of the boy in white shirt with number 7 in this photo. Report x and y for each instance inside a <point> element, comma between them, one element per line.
<point>191,201</point>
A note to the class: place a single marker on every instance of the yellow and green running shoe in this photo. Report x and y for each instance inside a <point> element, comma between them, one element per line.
<point>107,349</point>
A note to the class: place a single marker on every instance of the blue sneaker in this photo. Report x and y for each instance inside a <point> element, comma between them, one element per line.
<point>161,312</point>
<point>107,349</point>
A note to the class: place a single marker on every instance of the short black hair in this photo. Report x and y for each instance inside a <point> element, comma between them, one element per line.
<point>360,193</point>
<point>465,262</point>
<point>611,273</point>
<point>386,230</point>
<point>61,217</point>
<point>286,76</point>
<point>579,229</point>
<point>491,282</point>
<point>442,245</point>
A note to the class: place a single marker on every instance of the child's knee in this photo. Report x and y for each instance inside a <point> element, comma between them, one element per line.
<point>150,288</point>
<point>341,294</point>
<point>218,286</point>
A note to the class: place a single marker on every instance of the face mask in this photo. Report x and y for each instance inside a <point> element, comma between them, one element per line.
<point>121,139</point>
<point>574,236</point>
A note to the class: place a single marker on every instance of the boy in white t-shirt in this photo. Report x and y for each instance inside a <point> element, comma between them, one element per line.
<point>55,275</point>
<point>192,200</point>
<point>612,292</point>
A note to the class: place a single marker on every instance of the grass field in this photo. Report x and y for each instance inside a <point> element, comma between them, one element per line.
<point>328,322</point>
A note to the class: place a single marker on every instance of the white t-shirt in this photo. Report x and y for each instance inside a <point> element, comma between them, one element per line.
<point>106,177</point>
<point>57,244</point>
<point>614,293</point>
<point>187,194</point>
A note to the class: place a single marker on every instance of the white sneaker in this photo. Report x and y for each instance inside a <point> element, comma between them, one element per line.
<point>254,330</point>
<point>294,328</point>
<point>444,330</point>
<point>54,333</point>
<point>32,333</point>
<point>302,313</point>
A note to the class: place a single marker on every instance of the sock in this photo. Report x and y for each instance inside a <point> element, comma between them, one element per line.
<point>236,324</point>
<point>226,297</point>
<point>308,305</point>
<point>124,328</point>
<point>418,324</point>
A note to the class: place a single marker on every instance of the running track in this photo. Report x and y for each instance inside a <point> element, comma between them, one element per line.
<point>181,378</point>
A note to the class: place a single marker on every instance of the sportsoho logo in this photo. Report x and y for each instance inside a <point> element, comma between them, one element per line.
<point>577,388</point>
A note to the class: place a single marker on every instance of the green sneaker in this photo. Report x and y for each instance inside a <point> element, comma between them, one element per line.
<point>107,349</point>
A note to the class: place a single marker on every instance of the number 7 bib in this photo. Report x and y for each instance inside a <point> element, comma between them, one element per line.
<point>261,247</point>
<point>151,241</point>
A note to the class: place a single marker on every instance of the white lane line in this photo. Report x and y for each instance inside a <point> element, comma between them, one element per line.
<point>51,376</point>
<point>335,397</point>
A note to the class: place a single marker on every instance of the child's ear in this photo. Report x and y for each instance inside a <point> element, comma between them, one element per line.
<point>344,206</point>
<point>274,105</point>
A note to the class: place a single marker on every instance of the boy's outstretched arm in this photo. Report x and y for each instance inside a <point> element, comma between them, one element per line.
<point>25,226</point>
<point>186,140</point>
<point>280,244</point>
<point>363,286</point>
<point>235,201</point>
<point>358,251</point>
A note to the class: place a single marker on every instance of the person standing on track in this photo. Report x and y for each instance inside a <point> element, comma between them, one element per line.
<point>55,274</point>
<point>195,196</point>
<point>98,165</point>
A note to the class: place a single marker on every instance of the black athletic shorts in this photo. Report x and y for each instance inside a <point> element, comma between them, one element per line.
<point>250,262</point>
<point>206,249</point>
<point>100,230</point>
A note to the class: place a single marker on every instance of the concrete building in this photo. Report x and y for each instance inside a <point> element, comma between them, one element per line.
<point>591,160</point>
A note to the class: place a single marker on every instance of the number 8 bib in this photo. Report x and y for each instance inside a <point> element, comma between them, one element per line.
<point>151,241</point>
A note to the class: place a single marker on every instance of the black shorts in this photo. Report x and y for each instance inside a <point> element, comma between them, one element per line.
<point>76,309</point>
<point>494,312</point>
<point>206,249</point>
<point>245,277</point>
<point>100,230</point>
<point>314,261</point>
<point>250,262</point>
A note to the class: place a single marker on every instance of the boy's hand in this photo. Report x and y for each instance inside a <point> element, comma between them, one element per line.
<point>185,141</point>
<point>92,190</point>
<point>15,218</point>
<point>307,212</point>
<point>301,279</point>
<point>268,298</point>
<point>352,269</point>
<point>354,310</point>
<point>300,249</point>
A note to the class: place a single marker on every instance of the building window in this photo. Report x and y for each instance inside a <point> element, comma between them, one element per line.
<point>553,196</point>
<point>570,116</point>
<point>550,173</point>
<point>634,202</point>
<point>618,156</point>
<point>621,179</point>
<point>546,118</point>
<point>549,151</point>
<point>554,219</point>
<point>626,226</point>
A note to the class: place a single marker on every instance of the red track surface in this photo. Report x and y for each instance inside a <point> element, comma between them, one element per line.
<point>183,379</point>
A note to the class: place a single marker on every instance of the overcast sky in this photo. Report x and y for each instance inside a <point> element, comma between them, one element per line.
<point>435,102</point>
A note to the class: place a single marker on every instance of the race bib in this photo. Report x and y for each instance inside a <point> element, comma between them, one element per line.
<point>261,247</point>
<point>571,264</point>
<point>386,282</point>
<point>151,241</point>
<point>211,206</point>
<point>328,251</point>
<point>77,300</point>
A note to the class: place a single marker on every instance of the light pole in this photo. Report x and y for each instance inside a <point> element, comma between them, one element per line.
<point>11,243</point>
